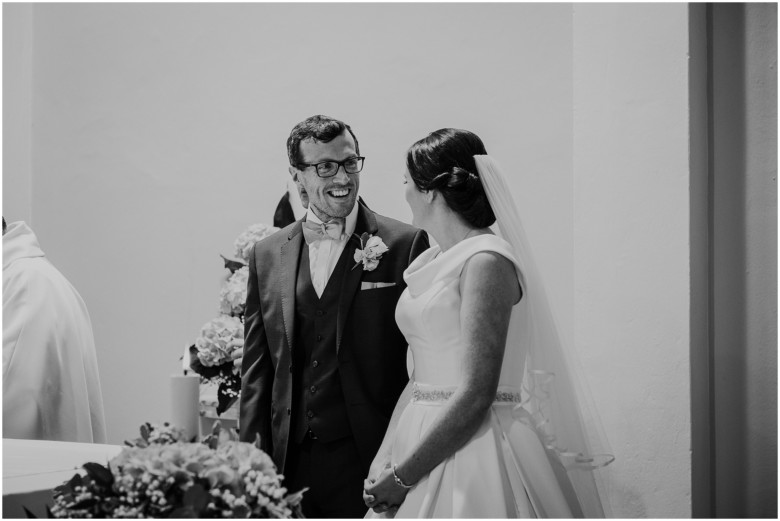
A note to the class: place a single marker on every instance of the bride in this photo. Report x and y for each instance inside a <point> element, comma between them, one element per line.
<point>490,425</point>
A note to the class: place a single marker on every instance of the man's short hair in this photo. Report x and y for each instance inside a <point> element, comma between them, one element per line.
<point>320,128</point>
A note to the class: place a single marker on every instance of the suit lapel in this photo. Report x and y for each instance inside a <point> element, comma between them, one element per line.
<point>290,255</point>
<point>366,223</point>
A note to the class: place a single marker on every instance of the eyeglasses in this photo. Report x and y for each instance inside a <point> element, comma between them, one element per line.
<point>353,165</point>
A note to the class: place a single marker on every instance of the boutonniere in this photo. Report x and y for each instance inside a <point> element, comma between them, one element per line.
<point>371,250</point>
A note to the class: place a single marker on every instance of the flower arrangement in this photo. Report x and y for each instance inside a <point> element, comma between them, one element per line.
<point>372,247</point>
<point>211,356</point>
<point>160,475</point>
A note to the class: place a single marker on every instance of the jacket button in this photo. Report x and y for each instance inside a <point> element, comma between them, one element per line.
<point>291,368</point>
<point>310,414</point>
<point>315,363</point>
<point>313,389</point>
<point>319,337</point>
<point>289,412</point>
<point>320,312</point>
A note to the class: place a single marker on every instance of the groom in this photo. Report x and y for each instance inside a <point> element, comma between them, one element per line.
<point>324,361</point>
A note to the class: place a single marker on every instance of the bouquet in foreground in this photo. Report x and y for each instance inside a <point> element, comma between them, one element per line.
<point>161,475</point>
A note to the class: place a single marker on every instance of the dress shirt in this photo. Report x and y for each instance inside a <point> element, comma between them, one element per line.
<point>323,255</point>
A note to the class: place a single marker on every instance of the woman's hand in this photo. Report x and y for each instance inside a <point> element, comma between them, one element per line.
<point>383,493</point>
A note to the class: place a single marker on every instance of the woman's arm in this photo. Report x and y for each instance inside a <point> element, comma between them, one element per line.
<point>489,289</point>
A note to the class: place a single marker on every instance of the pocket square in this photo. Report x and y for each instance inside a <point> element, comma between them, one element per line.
<point>375,285</point>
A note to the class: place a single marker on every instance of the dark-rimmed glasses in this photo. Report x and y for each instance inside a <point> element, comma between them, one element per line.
<point>352,165</point>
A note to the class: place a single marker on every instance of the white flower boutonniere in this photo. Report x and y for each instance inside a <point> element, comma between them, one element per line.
<point>371,250</point>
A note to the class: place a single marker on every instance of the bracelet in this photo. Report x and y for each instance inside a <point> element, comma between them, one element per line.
<point>398,480</point>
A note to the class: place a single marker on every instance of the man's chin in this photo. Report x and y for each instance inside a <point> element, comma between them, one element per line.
<point>336,208</point>
<point>342,209</point>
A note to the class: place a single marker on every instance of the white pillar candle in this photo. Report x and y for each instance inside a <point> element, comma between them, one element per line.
<point>184,403</point>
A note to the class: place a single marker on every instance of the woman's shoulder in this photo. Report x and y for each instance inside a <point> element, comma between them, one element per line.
<point>492,267</point>
<point>487,243</point>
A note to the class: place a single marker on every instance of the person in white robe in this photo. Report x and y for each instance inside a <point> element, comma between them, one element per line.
<point>51,386</point>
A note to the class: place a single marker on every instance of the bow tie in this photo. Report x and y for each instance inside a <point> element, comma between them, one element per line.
<point>330,231</point>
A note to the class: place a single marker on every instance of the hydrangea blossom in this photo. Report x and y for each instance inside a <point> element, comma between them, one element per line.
<point>232,296</point>
<point>249,237</point>
<point>215,336</point>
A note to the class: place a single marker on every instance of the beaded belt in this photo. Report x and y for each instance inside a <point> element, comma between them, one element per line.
<point>427,393</point>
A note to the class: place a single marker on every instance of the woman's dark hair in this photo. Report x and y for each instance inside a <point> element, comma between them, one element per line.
<point>444,161</point>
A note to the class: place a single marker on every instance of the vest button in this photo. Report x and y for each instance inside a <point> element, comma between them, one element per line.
<point>315,363</point>
<point>291,368</point>
<point>289,412</point>
<point>313,389</point>
<point>310,414</point>
<point>319,337</point>
<point>320,312</point>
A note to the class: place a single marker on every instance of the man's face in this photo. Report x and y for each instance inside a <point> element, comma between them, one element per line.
<point>330,196</point>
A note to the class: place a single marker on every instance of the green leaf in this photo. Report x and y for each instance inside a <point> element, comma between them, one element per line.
<point>145,429</point>
<point>100,474</point>
<point>204,371</point>
<point>75,481</point>
<point>241,511</point>
<point>185,512</point>
<point>233,264</point>
<point>225,400</point>
<point>197,498</point>
<point>86,504</point>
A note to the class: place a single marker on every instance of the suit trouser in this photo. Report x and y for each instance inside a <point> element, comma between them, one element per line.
<point>334,474</point>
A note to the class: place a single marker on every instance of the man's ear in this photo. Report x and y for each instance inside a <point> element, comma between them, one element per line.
<point>294,173</point>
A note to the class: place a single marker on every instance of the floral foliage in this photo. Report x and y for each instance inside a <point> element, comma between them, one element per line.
<point>232,296</point>
<point>244,243</point>
<point>164,477</point>
<point>216,342</point>
<point>212,354</point>
<point>212,357</point>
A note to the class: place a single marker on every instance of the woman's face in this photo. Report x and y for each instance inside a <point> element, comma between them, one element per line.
<point>416,200</point>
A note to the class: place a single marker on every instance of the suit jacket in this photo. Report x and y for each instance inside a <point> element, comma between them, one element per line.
<point>371,350</point>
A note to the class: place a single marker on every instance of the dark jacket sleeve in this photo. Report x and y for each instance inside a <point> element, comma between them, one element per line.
<point>257,371</point>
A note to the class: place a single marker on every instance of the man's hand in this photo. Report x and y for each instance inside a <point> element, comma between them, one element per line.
<point>238,354</point>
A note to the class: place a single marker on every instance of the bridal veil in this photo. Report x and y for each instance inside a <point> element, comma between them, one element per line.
<point>556,401</point>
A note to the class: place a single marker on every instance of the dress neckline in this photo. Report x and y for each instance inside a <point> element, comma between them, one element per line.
<point>434,264</point>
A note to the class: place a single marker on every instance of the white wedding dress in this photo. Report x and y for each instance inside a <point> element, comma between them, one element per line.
<point>504,470</point>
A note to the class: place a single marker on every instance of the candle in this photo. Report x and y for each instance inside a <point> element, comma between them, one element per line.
<point>185,360</point>
<point>185,390</point>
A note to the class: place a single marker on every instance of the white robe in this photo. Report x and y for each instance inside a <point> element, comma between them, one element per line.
<point>51,387</point>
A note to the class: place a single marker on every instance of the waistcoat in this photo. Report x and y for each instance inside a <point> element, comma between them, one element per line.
<point>318,400</point>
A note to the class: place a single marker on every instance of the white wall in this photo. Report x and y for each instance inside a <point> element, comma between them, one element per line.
<point>17,107</point>
<point>631,242</point>
<point>159,135</point>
